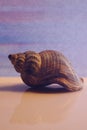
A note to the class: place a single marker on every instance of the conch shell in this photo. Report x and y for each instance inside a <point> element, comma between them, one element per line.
<point>45,68</point>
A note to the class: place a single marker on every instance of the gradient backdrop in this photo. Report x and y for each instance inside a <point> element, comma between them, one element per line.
<point>43,24</point>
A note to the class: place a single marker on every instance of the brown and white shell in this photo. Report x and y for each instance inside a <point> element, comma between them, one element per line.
<point>45,68</point>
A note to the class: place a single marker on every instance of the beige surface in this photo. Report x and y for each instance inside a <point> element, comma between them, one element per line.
<point>23,109</point>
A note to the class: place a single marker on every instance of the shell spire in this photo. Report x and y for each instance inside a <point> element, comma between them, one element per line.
<point>45,68</point>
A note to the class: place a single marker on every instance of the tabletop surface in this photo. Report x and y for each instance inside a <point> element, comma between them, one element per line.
<point>49,109</point>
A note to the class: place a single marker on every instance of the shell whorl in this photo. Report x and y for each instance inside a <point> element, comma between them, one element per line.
<point>32,63</point>
<point>58,69</point>
<point>18,61</point>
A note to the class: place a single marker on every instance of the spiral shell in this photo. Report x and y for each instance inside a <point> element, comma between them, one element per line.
<point>44,68</point>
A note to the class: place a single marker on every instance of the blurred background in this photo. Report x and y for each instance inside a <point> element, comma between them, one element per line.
<point>43,24</point>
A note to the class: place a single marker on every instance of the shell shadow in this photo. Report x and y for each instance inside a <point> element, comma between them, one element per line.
<point>14,88</point>
<point>24,88</point>
<point>48,89</point>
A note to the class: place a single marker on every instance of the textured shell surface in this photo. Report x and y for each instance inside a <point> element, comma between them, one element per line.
<point>44,68</point>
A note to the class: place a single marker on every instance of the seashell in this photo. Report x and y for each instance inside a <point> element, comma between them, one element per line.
<point>45,68</point>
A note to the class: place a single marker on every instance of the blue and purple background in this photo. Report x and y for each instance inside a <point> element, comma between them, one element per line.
<point>43,24</point>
